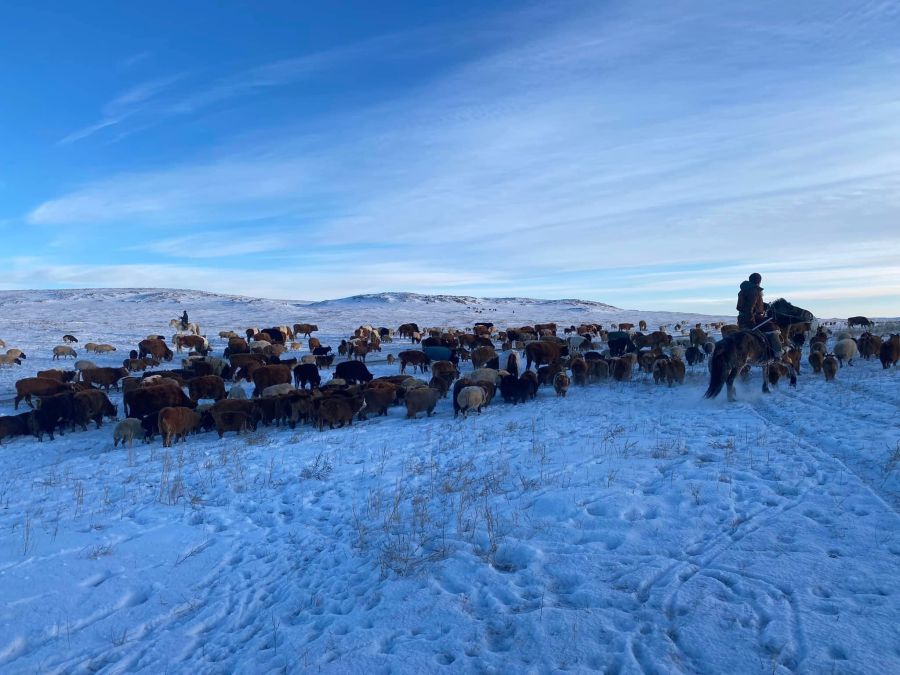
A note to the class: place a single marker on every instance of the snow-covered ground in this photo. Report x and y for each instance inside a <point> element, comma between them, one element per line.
<point>625,528</point>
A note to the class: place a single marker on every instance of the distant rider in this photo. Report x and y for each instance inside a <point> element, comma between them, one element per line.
<point>184,321</point>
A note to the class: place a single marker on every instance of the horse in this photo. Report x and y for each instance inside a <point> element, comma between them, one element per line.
<point>193,328</point>
<point>790,319</point>
<point>732,353</point>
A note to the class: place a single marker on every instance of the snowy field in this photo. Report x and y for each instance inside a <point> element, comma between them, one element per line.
<point>625,528</point>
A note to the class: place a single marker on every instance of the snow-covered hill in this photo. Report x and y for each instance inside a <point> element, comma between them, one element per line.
<point>627,527</point>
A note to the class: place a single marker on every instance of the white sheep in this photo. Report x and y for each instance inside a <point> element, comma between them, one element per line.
<point>845,350</point>
<point>470,398</point>
<point>485,375</point>
<point>8,360</point>
<point>278,389</point>
<point>237,393</point>
<point>126,430</point>
<point>84,364</point>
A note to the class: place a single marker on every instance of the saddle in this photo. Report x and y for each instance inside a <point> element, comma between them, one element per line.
<point>771,341</point>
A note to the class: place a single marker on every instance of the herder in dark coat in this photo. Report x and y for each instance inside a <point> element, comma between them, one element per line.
<point>750,306</point>
<point>184,321</point>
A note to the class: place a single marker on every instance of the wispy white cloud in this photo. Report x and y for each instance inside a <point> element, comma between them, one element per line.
<point>601,137</point>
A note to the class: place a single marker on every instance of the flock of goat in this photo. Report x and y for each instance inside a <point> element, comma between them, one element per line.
<point>291,391</point>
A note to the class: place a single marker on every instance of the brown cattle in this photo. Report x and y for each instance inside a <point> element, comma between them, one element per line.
<point>729,329</point>
<point>418,359</point>
<point>156,348</point>
<point>561,384</point>
<point>176,423</point>
<point>207,386</point>
<point>890,351</point>
<point>579,369</point>
<point>654,339</point>
<point>540,353</point>
<point>305,329</point>
<point>92,405</point>
<point>423,399</point>
<point>869,345</point>
<point>103,377</point>
<point>195,342</point>
<point>336,410</point>
<point>481,356</point>
<point>38,386</point>
<point>15,425</point>
<point>266,376</point>
<point>58,375</point>
<point>152,399</point>
<point>858,321</point>
<point>626,326</point>
<point>698,336</point>
<point>379,397</point>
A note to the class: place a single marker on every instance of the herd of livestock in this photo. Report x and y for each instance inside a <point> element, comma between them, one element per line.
<point>210,392</point>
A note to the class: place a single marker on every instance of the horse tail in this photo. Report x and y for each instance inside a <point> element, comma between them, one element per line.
<point>716,373</point>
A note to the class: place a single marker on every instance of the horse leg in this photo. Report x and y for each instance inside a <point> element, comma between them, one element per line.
<point>729,381</point>
<point>765,379</point>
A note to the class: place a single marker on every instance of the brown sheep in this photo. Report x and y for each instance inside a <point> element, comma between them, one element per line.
<point>176,423</point>
<point>63,351</point>
<point>207,386</point>
<point>419,400</point>
<point>561,383</point>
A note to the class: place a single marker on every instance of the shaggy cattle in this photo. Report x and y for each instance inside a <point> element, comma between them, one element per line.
<point>858,321</point>
<point>338,410</point>
<point>207,386</point>
<point>779,370</point>
<point>266,376</point>
<point>156,348</point>
<point>307,373</point>
<point>418,359</point>
<point>579,369</point>
<point>37,386</point>
<point>845,350</point>
<point>91,405</point>
<point>378,399</point>
<point>63,351</point>
<point>794,355</point>
<point>561,384</point>
<point>152,399</point>
<point>698,336</point>
<point>423,399</point>
<point>694,355</point>
<point>54,411</point>
<point>445,369</point>
<point>545,374</point>
<point>540,353</point>
<point>482,356</point>
<point>830,367</point>
<point>620,343</point>
<point>889,353</point>
<point>195,342</point>
<point>729,329</point>
<point>305,329</point>
<point>15,425</point>
<point>103,377</point>
<point>470,398</point>
<point>869,345</point>
<point>622,367</point>
<point>175,423</point>
<point>599,370</point>
<point>354,372</point>
<point>126,430</point>
<point>654,339</point>
<point>58,375</point>
<point>674,371</point>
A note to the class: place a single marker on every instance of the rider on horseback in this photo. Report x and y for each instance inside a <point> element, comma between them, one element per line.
<point>184,321</point>
<point>750,306</point>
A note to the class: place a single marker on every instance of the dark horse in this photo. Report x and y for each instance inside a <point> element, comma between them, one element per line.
<point>792,321</point>
<point>745,347</point>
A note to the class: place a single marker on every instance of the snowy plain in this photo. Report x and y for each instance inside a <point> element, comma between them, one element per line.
<point>625,528</point>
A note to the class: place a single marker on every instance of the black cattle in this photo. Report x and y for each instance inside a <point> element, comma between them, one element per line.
<point>353,372</point>
<point>307,373</point>
<point>321,351</point>
<point>54,411</point>
<point>619,346</point>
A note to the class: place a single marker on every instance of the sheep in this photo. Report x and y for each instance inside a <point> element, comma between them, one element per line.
<point>845,350</point>
<point>16,353</point>
<point>421,399</point>
<point>830,367</point>
<point>391,359</point>
<point>7,360</point>
<point>278,389</point>
<point>486,375</point>
<point>561,384</point>
<point>84,364</point>
<point>237,393</point>
<point>470,398</point>
<point>62,351</point>
<point>126,430</point>
<point>817,348</point>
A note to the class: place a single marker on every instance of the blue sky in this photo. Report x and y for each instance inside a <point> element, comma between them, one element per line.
<point>649,155</point>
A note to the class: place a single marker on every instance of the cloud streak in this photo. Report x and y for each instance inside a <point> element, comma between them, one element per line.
<point>594,139</point>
